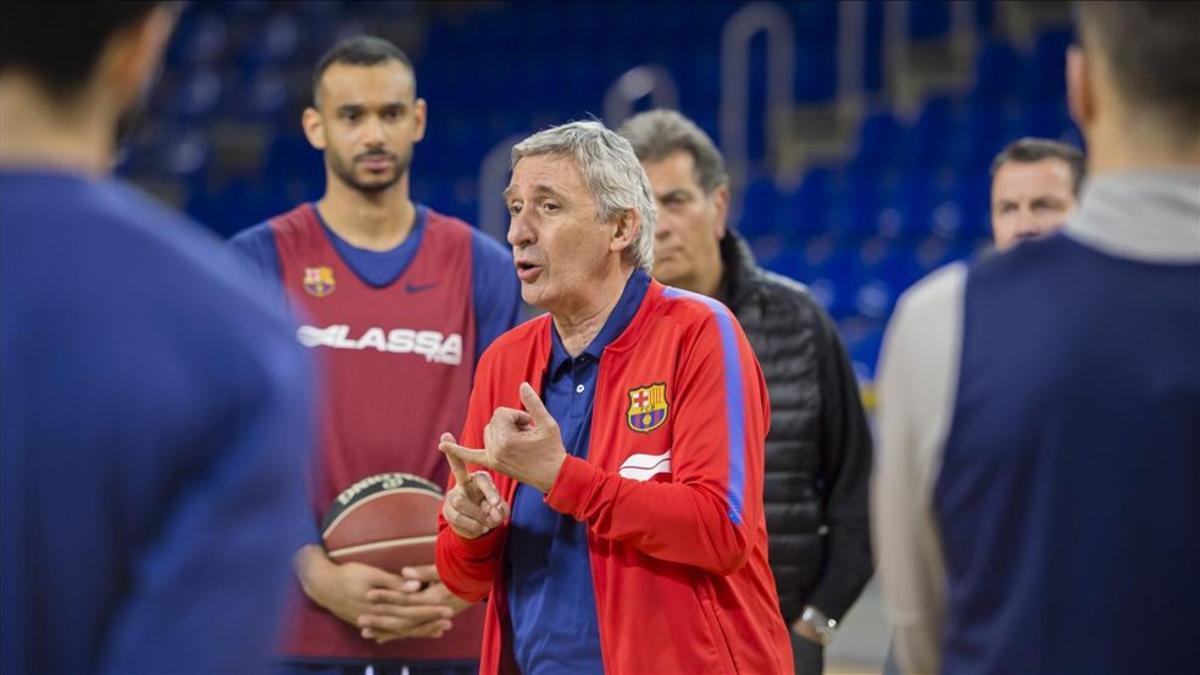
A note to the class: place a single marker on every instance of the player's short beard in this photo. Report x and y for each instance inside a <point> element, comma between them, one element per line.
<point>345,172</point>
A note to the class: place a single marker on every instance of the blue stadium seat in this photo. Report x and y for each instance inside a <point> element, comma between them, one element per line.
<point>922,147</point>
<point>906,207</point>
<point>978,138</point>
<point>1045,120</point>
<point>246,7</point>
<point>998,69</point>
<point>264,95</point>
<point>186,153</point>
<point>290,156</point>
<point>814,22</point>
<point>934,252</point>
<point>162,150</point>
<point>875,298</point>
<point>276,41</point>
<point>758,203</point>
<point>877,139</point>
<point>699,84</point>
<point>812,258</point>
<point>805,205</point>
<point>771,251</point>
<point>837,296</point>
<point>945,219</point>
<point>928,19</point>
<point>816,73</point>
<point>963,212</point>
<point>888,262</point>
<point>786,220</point>
<point>855,204</point>
<point>839,266</point>
<point>240,203</point>
<point>200,39</point>
<point>199,92</point>
<point>863,347</point>
<point>984,15</point>
<point>1045,76</point>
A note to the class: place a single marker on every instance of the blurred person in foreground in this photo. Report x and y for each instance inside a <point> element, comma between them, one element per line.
<point>818,451</point>
<point>1037,504</point>
<point>154,413</point>
<point>1035,188</point>
<point>624,433</point>
<point>400,302</point>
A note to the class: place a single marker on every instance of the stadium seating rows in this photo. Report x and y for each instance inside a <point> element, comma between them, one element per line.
<point>912,196</point>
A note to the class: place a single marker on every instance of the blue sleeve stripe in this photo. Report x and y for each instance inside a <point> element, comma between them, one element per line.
<point>735,401</point>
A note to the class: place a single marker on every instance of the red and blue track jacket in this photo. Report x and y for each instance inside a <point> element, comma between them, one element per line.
<point>671,492</point>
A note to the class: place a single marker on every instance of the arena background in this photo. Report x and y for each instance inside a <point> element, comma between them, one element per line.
<point>858,134</point>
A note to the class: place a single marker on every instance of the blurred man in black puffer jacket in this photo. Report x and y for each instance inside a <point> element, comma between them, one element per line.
<point>818,454</point>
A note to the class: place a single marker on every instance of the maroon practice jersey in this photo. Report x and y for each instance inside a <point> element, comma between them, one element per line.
<point>396,363</point>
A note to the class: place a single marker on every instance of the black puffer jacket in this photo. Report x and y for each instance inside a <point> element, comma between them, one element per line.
<point>818,452</point>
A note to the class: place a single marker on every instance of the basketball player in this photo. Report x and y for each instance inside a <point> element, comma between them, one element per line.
<point>1037,503</point>
<point>155,411</point>
<point>400,300</point>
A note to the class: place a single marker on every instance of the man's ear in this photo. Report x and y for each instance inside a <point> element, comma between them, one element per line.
<point>133,58</point>
<point>314,128</point>
<point>626,232</point>
<point>1081,101</point>
<point>420,114</point>
<point>721,211</point>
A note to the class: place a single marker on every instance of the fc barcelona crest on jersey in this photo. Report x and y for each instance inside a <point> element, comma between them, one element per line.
<point>647,407</point>
<point>318,281</point>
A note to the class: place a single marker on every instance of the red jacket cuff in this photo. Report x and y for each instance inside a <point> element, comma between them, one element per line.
<point>473,549</point>
<point>573,486</point>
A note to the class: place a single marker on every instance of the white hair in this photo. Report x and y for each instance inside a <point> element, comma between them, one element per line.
<point>611,171</point>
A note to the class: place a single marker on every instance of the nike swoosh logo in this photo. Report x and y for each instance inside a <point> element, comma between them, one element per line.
<point>417,288</point>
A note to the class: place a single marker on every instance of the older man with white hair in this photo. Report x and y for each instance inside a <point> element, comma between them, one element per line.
<point>616,522</point>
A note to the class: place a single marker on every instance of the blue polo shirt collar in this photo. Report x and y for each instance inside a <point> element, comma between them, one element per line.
<point>626,308</point>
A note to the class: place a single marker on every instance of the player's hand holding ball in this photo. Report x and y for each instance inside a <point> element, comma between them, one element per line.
<point>345,591</point>
<point>391,617</point>
<point>473,507</point>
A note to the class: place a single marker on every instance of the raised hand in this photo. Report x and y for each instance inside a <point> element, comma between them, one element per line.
<point>473,507</point>
<point>523,444</point>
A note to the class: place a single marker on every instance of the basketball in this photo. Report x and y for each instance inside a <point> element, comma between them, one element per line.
<point>387,521</point>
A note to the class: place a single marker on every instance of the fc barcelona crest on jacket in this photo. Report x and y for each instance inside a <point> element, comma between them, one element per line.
<point>318,281</point>
<point>647,407</point>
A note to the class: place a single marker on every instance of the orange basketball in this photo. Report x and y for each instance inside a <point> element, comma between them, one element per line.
<point>387,521</point>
